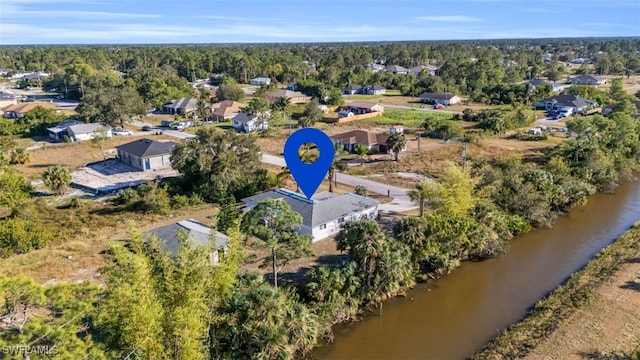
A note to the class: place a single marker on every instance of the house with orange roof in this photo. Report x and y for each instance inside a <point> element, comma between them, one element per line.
<point>225,110</point>
<point>16,111</point>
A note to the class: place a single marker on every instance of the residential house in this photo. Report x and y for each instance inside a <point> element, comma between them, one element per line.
<point>249,123</point>
<point>572,104</point>
<point>364,90</point>
<point>8,99</point>
<point>417,70</point>
<point>59,132</point>
<point>293,86</point>
<point>581,61</point>
<point>294,97</point>
<point>212,94</point>
<point>146,154</point>
<point>198,233</point>
<point>225,110</point>
<point>374,67</point>
<point>36,76</point>
<point>608,109</point>
<point>325,213</point>
<point>396,129</point>
<point>397,69</point>
<point>375,142</point>
<point>83,131</point>
<point>439,98</point>
<point>555,87</point>
<point>587,80</point>
<point>17,111</point>
<point>182,106</point>
<point>361,107</point>
<point>259,81</point>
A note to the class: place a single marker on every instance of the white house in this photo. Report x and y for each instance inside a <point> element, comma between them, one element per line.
<point>249,123</point>
<point>570,104</point>
<point>323,215</point>
<point>197,232</point>
<point>76,130</point>
<point>439,98</point>
<point>81,132</point>
<point>146,155</point>
<point>260,81</point>
<point>587,80</point>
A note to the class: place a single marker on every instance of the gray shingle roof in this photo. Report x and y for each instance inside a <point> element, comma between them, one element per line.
<point>437,96</point>
<point>183,103</point>
<point>569,100</point>
<point>87,128</point>
<point>146,147</point>
<point>324,207</point>
<point>199,233</point>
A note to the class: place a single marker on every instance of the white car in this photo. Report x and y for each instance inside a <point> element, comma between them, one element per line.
<point>120,131</point>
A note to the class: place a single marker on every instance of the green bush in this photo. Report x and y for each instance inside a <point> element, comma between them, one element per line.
<point>531,137</point>
<point>19,236</point>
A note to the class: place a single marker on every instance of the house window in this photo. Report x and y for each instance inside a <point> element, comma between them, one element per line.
<point>323,226</point>
<point>341,220</point>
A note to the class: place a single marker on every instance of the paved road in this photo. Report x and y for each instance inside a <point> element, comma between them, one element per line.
<point>551,123</point>
<point>174,133</point>
<point>426,108</point>
<point>400,202</point>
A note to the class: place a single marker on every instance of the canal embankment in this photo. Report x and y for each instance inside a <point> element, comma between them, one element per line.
<point>594,314</point>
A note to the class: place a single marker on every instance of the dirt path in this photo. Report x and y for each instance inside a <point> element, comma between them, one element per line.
<point>607,328</point>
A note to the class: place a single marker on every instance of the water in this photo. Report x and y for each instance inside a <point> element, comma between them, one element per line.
<point>454,317</point>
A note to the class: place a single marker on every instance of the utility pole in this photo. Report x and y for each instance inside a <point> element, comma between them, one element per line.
<point>464,155</point>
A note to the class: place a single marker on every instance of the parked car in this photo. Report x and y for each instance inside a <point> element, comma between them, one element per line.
<point>438,106</point>
<point>177,126</point>
<point>120,131</point>
<point>147,128</point>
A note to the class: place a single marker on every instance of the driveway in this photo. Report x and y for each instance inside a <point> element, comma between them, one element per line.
<point>174,133</point>
<point>425,108</point>
<point>400,202</point>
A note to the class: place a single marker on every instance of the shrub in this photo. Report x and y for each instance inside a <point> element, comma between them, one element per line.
<point>19,236</point>
<point>19,156</point>
<point>360,190</point>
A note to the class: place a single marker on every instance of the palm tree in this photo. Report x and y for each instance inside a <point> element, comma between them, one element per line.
<point>57,178</point>
<point>203,110</point>
<point>420,194</point>
<point>361,150</point>
<point>396,143</point>
<point>285,175</point>
<point>338,152</point>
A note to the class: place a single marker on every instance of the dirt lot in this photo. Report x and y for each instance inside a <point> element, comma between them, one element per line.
<point>79,256</point>
<point>72,155</point>
<point>606,328</point>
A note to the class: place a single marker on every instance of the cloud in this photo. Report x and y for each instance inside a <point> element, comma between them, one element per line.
<point>10,11</point>
<point>449,18</point>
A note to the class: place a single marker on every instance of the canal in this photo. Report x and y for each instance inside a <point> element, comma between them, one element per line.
<point>454,317</point>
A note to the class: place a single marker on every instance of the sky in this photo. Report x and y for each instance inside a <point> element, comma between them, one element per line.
<point>27,22</point>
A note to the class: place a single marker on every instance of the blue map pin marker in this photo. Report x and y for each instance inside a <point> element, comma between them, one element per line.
<point>308,176</point>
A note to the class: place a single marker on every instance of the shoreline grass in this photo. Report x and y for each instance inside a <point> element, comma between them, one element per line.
<point>522,337</point>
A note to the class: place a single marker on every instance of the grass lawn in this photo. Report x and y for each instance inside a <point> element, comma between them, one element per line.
<point>408,118</point>
<point>222,125</point>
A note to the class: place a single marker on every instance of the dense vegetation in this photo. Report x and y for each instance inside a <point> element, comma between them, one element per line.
<point>474,68</point>
<point>155,305</point>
